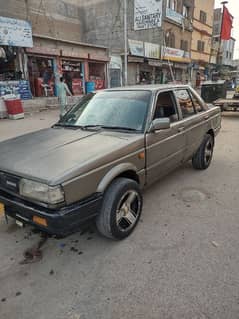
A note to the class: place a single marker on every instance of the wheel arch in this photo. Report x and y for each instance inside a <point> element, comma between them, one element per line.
<point>211,132</point>
<point>126,170</point>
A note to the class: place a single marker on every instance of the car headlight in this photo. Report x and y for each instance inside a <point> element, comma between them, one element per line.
<point>41,192</point>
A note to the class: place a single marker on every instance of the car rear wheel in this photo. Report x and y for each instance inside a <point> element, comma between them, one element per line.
<point>121,209</point>
<point>203,157</point>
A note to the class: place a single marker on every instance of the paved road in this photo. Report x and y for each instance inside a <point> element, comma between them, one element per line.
<point>182,261</point>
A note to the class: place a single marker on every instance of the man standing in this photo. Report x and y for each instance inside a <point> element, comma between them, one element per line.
<point>63,90</point>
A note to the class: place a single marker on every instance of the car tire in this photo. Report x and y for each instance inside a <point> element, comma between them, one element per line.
<point>121,209</point>
<point>203,157</point>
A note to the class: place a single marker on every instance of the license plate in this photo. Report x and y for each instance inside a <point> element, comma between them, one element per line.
<point>2,209</point>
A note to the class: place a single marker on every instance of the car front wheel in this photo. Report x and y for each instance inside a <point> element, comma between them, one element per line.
<point>203,157</point>
<point>121,209</point>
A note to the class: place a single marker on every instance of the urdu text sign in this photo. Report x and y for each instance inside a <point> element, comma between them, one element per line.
<point>147,14</point>
<point>15,32</point>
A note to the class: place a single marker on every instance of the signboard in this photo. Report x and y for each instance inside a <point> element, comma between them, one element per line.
<point>43,50</point>
<point>136,47</point>
<point>151,50</point>
<point>115,62</point>
<point>173,15</point>
<point>147,14</point>
<point>16,33</point>
<point>176,55</point>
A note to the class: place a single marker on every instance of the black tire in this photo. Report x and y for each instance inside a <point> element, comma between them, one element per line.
<point>115,213</point>
<point>203,157</point>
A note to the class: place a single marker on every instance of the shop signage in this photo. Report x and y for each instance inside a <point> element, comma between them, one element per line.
<point>155,63</point>
<point>176,55</point>
<point>181,66</point>
<point>173,15</point>
<point>98,57</point>
<point>115,62</point>
<point>133,59</point>
<point>15,32</point>
<point>43,50</point>
<point>147,14</point>
<point>151,50</point>
<point>136,47</point>
<point>74,54</point>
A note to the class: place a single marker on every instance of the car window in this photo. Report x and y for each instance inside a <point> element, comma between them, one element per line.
<point>165,107</point>
<point>185,102</point>
<point>127,109</point>
<point>197,104</point>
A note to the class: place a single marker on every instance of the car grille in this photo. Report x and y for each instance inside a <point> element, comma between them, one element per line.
<point>9,182</point>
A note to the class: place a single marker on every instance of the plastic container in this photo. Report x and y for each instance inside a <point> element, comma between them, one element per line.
<point>14,108</point>
<point>90,87</point>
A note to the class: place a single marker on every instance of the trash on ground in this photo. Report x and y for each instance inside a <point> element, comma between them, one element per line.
<point>215,244</point>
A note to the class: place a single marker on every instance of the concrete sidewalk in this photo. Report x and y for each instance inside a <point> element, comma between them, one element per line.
<point>42,103</point>
<point>32,122</point>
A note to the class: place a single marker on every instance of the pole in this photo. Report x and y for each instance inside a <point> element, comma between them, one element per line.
<point>125,45</point>
<point>220,39</point>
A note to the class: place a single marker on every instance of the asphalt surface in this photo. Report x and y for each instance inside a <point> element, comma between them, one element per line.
<point>181,262</point>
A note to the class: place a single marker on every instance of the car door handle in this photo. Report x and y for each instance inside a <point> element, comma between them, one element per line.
<point>206,117</point>
<point>181,129</point>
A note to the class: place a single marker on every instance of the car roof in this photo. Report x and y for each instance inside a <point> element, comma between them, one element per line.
<point>150,87</point>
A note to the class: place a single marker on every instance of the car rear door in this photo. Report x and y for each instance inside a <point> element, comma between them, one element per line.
<point>165,148</point>
<point>194,119</point>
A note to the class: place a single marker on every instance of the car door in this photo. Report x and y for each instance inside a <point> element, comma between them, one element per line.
<point>194,119</point>
<point>164,148</point>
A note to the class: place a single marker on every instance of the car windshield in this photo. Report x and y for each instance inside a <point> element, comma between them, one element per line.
<point>122,110</point>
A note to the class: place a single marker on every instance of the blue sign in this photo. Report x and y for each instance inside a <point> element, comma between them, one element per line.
<point>15,32</point>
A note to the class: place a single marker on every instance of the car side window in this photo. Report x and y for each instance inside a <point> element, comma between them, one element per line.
<point>185,102</point>
<point>198,105</point>
<point>165,107</point>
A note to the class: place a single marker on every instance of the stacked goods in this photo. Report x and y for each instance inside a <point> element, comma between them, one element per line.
<point>20,88</point>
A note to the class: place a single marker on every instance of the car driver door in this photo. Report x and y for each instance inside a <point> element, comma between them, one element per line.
<point>165,148</point>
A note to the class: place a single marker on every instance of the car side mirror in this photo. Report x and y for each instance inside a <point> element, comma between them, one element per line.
<point>160,124</point>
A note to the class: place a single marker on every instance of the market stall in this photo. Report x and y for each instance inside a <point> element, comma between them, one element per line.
<point>41,76</point>
<point>97,73</point>
<point>14,36</point>
<point>72,71</point>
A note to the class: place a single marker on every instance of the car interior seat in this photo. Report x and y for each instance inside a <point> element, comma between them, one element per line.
<point>165,107</point>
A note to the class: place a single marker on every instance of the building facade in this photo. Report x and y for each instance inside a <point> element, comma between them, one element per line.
<point>157,52</point>
<point>57,49</point>
<point>201,39</point>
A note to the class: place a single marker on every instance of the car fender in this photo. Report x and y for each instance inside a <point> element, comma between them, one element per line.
<point>113,173</point>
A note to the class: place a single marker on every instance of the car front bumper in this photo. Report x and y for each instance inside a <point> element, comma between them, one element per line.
<point>61,222</point>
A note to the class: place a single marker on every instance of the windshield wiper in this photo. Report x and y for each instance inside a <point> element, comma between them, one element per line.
<point>66,125</point>
<point>109,127</point>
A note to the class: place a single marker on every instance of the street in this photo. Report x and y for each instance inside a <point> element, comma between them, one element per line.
<point>180,263</point>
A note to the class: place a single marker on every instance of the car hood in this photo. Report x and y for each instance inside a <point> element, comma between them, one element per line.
<point>55,155</point>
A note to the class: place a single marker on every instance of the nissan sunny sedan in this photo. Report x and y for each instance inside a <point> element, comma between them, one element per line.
<point>94,163</point>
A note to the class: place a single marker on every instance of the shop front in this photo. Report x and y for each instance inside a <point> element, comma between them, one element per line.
<point>144,64</point>
<point>115,71</point>
<point>180,61</point>
<point>42,71</point>
<point>78,63</point>
<point>72,71</point>
<point>14,36</point>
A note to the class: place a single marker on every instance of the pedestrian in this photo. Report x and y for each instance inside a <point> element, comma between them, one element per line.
<point>68,79</point>
<point>63,90</point>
